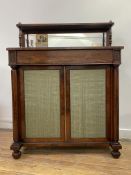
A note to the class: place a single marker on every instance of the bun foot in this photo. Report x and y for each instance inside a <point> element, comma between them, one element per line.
<point>16,154</point>
<point>115,154</point>
<point>115,149</point>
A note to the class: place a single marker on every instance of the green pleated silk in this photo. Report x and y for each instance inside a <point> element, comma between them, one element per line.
<point>88,103</point>
<point>42,103</point>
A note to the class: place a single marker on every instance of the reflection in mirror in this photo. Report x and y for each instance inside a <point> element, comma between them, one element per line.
<point>65,40</point>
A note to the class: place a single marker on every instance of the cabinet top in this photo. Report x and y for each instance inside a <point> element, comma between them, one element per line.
<point>66,48</point>
<point>65,27</point>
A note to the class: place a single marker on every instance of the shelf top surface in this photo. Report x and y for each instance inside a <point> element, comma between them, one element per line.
<point>65,27</point>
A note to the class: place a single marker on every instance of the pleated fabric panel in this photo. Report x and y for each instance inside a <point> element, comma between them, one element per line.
<point>88,103</point>
<point>42,103</point>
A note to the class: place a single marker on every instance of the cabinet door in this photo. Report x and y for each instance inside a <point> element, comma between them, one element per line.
<point>87,103</point>
<point>42,97</point>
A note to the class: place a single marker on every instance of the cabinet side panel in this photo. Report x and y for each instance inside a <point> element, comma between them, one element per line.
<point>88,103</point>
<point>42,103</point>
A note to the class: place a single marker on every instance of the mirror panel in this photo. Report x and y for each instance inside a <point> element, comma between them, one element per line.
<point>65,40</point>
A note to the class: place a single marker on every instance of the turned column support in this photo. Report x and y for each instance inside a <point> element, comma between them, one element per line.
<point>21,37</point>
<point>109,37</point>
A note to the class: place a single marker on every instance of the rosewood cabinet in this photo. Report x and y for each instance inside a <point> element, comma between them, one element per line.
<point>65,96</point>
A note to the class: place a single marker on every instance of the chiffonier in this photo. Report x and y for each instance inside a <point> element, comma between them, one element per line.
<point>65,87</point>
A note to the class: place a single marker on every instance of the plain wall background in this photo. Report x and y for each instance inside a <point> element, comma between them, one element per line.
<point>62,11</point>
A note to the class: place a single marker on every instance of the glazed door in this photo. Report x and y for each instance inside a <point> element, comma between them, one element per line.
<point>42,107</point>
<point>87,103</point>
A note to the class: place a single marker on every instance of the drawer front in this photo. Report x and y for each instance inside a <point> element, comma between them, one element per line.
<point>64,57</point>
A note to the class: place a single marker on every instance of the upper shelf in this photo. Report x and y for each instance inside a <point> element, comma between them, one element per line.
<point>65,35</point>
<point>65,27</point>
